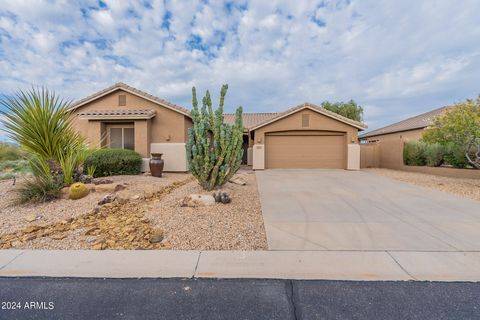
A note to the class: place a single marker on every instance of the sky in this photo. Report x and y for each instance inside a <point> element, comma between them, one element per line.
<point>395,58</point>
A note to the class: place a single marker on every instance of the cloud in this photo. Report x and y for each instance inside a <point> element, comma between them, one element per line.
<point>396,58</point>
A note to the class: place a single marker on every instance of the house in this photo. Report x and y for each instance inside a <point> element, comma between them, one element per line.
<point>383,147</point>
<point>408,129</point>
<point>306,136</point>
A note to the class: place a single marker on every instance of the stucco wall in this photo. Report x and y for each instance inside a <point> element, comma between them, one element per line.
<point>168,126</point>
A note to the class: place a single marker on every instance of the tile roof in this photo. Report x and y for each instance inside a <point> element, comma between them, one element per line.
<point>313,107</point>
<point>418,122</point>
<point>127,88</point>
<point>249,119</point>
<point>119,114</point>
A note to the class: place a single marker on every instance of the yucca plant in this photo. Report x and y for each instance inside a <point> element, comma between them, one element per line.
<point>40,122</point>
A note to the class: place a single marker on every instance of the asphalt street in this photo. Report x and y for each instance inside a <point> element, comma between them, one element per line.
<point>80,298</point>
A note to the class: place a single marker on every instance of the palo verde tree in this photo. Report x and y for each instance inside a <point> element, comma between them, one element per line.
<point>214,148</point>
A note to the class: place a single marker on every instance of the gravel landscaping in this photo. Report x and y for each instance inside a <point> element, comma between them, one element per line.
<point>468,188</point>
<point>146,215</point>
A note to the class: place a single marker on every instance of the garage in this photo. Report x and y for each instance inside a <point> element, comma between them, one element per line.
<point>306,137</point>
<point>306,150</point>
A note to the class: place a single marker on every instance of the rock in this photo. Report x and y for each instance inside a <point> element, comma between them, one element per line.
<point>157,236</point>
<point>101,181</point>
<point>91,230</point>
<point>31,217</point>
<point>238,180</point>
<point>108,188</point>
<point>58,236</point>
<point>16,244</point>
<point>78,190</point>
<point>86,179</point>
<point>198,200</point>
<point>107,199</point>
<point>135,197</point>
<point>222,197</point>
<point>119,187</point>
<point>31,229</point>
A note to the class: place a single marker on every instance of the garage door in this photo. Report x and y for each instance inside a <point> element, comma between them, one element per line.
<point>305,151</point>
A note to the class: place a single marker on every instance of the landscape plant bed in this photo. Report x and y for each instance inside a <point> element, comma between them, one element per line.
<point>468,188</point>
<point>147,215</point>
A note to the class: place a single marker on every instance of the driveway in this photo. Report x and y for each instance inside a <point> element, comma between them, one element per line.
<point>356,210</point>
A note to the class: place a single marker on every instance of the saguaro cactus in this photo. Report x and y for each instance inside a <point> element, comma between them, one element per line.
<point>214,148</point>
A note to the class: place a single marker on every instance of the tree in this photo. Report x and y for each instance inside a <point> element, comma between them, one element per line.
<point>348,109</point>
<point>214,148</point>
<point>458,128</point>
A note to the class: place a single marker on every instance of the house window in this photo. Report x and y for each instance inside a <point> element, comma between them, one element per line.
<point>122,138</point>
<point>122,100</point>
<point>305,120</point>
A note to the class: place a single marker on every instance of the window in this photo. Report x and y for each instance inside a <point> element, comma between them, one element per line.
<point>122,100</point>
<point>122,138</point>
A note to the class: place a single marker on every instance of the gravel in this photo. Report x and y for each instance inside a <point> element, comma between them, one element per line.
<point>468,188</point>
<point>234,226</point>
<point>13,217</point>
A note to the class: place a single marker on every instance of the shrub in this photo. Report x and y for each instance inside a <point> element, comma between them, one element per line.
<point>455,156</point>
<point>434,154</point>
<point>414,153</point>
<point>10,152</point>
<point>109,162</point>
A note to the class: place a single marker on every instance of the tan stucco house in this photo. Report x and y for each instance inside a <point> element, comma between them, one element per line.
<point>306,136</point>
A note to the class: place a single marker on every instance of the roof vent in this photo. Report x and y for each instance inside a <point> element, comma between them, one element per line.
<point>122,100</point>
<point>305,120</point>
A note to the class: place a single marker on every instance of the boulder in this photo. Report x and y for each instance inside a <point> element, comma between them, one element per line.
<point>222,197</point>
<point>237,179</point>
<point>107,199</point>
<point>99,181</point>
<point>198,200</point>
<point>157,236</point>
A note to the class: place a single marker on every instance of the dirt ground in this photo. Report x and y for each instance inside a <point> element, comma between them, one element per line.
<point>468,188</point>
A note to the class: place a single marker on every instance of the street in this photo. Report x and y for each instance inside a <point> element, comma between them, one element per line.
<point>84,298</point>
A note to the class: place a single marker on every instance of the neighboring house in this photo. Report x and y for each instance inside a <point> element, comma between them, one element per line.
<point>384,147</point>
<point>306,136</point>
<point>408,129</point>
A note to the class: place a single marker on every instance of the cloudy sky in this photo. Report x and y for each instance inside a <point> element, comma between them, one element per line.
<point>395,58</point>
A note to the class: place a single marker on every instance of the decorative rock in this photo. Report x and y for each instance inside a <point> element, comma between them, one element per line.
<point>86,179</point>
<point>222,197</point>
<point>58,236</point>
<point>105,187</point>
<point>78,190</point>
<point>238,180</point>
<point>157,236</point>
<point>65,192</point>
<point>31,217</point>
<point>119,187</point>
<point>198,200</point>
<point>101,181</point>
<point>107,199</point>
<point>31,229</point>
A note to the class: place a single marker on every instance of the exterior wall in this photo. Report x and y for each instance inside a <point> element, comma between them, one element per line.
<point>174,155</point>
<point>353,157</point>
<point>388,152</point>
<point>167,127</point>
<point>293,122</point>
<point>258,162</point>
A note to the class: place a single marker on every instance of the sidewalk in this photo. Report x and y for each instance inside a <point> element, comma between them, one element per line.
<point>328,265</point>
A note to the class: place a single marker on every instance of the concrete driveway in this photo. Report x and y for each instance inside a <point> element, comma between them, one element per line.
<point>356,210</point>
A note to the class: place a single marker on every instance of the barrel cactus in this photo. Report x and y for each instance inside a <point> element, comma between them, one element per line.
<point>214,148</point>
<point>77,191</point>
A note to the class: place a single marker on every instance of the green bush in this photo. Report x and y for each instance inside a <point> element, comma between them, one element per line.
<point>11,168</point>
<point>434,154</point>
<point>10,152</point>
<point>455,156</point>
<point>414,153</point>
<point>110,162</point>
<point>40,188</point>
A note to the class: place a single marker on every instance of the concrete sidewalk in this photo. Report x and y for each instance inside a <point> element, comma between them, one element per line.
<point>328,265</point>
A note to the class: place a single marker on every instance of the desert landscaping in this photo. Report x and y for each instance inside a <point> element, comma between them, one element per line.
<point>146,213</point>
